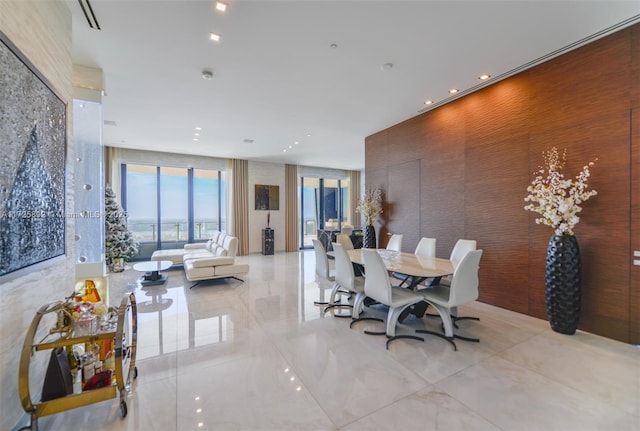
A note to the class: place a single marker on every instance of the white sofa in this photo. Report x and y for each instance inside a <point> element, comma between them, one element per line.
<point>205,261</point>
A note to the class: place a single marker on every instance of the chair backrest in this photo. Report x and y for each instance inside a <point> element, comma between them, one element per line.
<point>347,229</point>
<point>345,241</point>
<point>395,242</point>
<point>464,284</point>
<point>345,276</point>
<point>322,263</point>
<point>462,247</point>
<point>426,247</point>
<point>376,283</point>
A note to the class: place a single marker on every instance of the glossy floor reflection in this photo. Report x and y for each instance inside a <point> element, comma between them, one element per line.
<point>259,355</point>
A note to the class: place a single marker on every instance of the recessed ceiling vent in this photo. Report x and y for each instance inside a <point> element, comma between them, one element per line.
<point>85,5</point>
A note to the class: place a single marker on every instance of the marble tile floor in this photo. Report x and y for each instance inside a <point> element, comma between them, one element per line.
<point>259,355</point>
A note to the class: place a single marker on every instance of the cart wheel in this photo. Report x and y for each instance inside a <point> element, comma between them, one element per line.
<point>135,372</point>
<point>123,408</point>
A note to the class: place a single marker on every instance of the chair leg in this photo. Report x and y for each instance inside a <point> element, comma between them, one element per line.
<point>334,290</point>
<point>437,334</point>
<point>357,305</point>
<point>447,324</point>
<point>392,321</point>
<point>361,319</point>
<point>460,337</point>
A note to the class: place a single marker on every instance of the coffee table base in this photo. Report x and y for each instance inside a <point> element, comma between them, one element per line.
<point>153,278</point>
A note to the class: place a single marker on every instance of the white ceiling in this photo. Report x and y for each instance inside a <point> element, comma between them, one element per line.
<point>277,80</point>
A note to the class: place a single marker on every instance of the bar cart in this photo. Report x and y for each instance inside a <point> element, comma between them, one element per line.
<point>123,339</point>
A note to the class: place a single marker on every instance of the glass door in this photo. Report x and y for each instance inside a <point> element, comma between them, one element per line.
<point>324,207</point>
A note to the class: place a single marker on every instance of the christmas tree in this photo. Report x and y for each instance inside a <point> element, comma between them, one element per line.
<point>118,238</point>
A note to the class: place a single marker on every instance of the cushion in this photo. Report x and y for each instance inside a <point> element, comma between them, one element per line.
<point>214,237</point>
<point>211,261</point>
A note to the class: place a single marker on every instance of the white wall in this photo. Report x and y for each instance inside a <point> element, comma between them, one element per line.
<point>267,174</point>
<point>42,31</point>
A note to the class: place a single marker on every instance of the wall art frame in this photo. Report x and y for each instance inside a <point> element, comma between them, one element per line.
<point>267,197</point>
<point>33,137</point>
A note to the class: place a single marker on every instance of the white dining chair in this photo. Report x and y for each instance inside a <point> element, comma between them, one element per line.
<point>427,248</point>
<point>377,286</point>
<point>395,242</point>
<point>346,282</point>
<point>463,289</point>
<point>323,270</point>
<point>345,241</point>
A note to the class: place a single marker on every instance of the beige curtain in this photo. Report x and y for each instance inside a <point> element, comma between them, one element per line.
<point>354,196</point>
<point>240,179</point>
<point>292,230</point>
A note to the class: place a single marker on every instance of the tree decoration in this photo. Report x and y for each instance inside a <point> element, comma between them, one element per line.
<point>119,240</point>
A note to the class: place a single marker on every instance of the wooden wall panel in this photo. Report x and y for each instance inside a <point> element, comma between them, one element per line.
<point>634,286</point>
<point>442,177</point>
<point>634,83</point>
<point>402,213</point>
<point>375,150</point>
<point>405,142</point>
<point>575,87</point>
<point>478,154</point>
<point>496,178</point>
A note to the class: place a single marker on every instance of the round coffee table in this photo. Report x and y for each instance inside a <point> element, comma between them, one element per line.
<point>151,270</point>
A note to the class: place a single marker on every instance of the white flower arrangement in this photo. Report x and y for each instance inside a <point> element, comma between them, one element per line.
<point>370,206</point>
<point>558,200</point>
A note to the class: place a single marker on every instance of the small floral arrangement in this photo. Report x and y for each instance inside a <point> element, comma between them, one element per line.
<point>558,200</point>
<point>370,206</point>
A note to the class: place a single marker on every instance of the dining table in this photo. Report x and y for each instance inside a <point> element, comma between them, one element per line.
<point>416,268</point>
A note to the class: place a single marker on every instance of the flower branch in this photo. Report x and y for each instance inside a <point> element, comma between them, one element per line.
<point>555,198</point>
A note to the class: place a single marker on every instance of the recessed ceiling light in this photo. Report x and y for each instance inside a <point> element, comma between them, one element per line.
<point>453,91</point>
<point>296,142</point>
<point>248,141</point>
<point>207,74</point>
<point>308,135</point>
<point>428,102</point>
<point>195,139</point>
<point>198,128</point>
<point>284,151</point>
<point>196,134</point>
<point>214,37</point>
<point>290,146</point>
<point>333,46</point>
<point>484,77</point>
<point>221,6</point>
<point>387,66</point>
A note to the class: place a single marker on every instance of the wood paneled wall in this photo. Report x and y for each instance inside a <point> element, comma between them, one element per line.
<point>461,171</point>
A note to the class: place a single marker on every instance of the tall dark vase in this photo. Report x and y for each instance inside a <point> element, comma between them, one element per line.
<point>369,240</point>
<point>563,283</point>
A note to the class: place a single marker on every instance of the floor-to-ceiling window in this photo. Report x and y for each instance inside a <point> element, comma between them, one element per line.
<point>324,205</point>
<point>168,207</point>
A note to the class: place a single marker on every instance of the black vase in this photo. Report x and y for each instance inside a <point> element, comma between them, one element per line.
<point>563,283</point>
<point>369,238</point>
